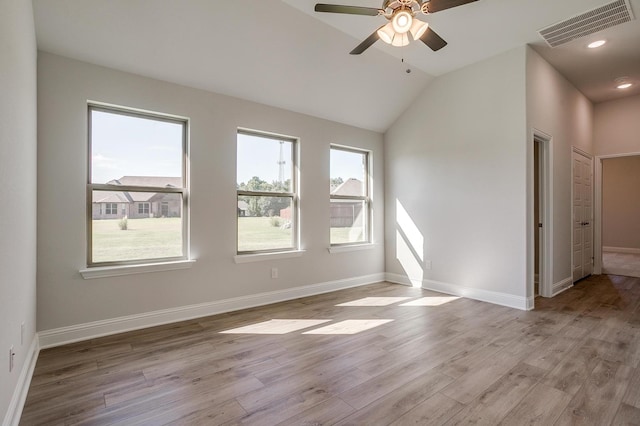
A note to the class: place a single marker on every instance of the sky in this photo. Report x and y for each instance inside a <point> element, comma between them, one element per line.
<point>123,145</point>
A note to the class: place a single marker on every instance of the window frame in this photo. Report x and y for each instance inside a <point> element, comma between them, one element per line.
<point>366,198</point>
<point>293,194</point>
<point>144,205</point>
<point>183,191</point>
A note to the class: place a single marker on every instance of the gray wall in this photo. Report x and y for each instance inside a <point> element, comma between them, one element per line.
<point>65,299</point>
<point>557,108</point>
<point>621,202</point>
<point>18,189</point>
<point>455,164</point>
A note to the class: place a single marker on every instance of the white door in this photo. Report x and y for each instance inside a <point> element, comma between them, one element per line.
<point>582,216</point>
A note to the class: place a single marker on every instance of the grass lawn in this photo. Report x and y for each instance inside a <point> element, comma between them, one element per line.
<point>257,233</point>
<point>149,238</point>
<point>154,238</point>
<point>346,235</point>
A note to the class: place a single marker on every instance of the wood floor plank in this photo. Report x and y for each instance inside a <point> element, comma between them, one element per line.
<point>394,405</point>
<point>542,406</point>
<point>597,401</point>
<point>448,361</point>
<point>436,410</point>
<point>468,386</point>
<point>627,415</point>
<point>326,413</point>
<point>494,403</point>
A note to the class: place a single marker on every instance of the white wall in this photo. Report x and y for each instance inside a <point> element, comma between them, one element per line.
<point>558,109</point>
<point>455,163</point>
<point>621,202</point>
<point>18,189</point>
<point>65,299</point>
<point>617,127</point>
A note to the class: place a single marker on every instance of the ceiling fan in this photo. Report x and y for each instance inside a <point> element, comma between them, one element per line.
<point>402,22</point>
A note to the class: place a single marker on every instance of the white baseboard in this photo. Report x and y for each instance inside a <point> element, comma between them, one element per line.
<point>76,333</point>
<point>621,250</point>
<point>12,418</point>
<point>561,286</point>
<point>504,299</point>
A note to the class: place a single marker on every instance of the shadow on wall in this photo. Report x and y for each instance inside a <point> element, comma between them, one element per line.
<point>409,246</point>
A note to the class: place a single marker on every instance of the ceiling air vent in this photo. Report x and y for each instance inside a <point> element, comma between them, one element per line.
<point>607,16</point>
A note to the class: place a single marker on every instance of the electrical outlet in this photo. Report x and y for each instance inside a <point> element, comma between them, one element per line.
<point>274,273</point>
<point>12,354</point>
<point>427,264</point>
<point>22,334</point>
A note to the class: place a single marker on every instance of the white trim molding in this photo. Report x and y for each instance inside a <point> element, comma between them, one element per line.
<point>116,271</point>
<point>79,332</point>
<point>261,257</point>
<point>561,286</point>
<point>497,298</point>
<point>629,250</point>
<point>14,412</point>
<point>597,238</point>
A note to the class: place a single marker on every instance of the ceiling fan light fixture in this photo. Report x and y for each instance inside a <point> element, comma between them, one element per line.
<point>402,21</point>
<point>386,33</point>
<point>400,40</point>
<point>418,28</point>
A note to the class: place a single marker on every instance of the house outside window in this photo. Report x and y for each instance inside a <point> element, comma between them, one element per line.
<point>137,164</point>
<point>349,193</point>
<point>110,208</point>
<point>266,193</point>
<point>143,208</point>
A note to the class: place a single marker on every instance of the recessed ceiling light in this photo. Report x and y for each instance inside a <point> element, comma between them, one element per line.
<point>596,44</point>
<point>623,83</point>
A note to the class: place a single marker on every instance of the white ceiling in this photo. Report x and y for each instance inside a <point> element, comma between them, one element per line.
<point>281,53</point>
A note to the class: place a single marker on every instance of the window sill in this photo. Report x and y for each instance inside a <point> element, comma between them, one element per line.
<point>352,247</point>
<point>116,271</point>
<point>259,257</point>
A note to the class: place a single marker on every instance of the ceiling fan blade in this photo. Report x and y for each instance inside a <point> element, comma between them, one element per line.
<point>351,10</point>
<point>433,40</point>
<point>437,5</point>
<point>366,43</point>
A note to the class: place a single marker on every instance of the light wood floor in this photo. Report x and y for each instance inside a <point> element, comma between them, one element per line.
<point>437,360</point>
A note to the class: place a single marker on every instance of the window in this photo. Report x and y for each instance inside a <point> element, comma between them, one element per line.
<point>143,208</point>
<point>137,187</point>
<point>111,208</point>
<point>349,193</point>
<point>267,194</point>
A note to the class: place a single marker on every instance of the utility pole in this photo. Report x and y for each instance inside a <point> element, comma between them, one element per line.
<point>281,164</point>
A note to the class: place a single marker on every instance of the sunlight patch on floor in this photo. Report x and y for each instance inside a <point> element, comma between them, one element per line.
<point>276,326</point>
<point>375,301</point>
<point>431,301</point>
<point>349,326</point>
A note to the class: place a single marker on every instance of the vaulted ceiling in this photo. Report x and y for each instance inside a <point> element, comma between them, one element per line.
<point>282,53</point>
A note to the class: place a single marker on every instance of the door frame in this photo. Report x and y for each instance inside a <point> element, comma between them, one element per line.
<point>597,211</point>
<point>578,151</point>
<point>545,276</point>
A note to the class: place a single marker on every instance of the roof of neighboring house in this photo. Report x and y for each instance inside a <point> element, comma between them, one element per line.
<point>131,196</point>
<point>162,181</point>
<point>351,186</point>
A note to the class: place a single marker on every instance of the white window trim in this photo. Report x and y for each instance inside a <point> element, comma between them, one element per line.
<point>142,268</point>
<point>343,248</point>
<point>149,264</point>
<point>249,255</point>
<point>261,257</point>
<point>367,199</point>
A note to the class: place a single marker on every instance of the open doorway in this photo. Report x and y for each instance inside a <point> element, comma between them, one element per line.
<point>541,223</point>
<point>620,210</point>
